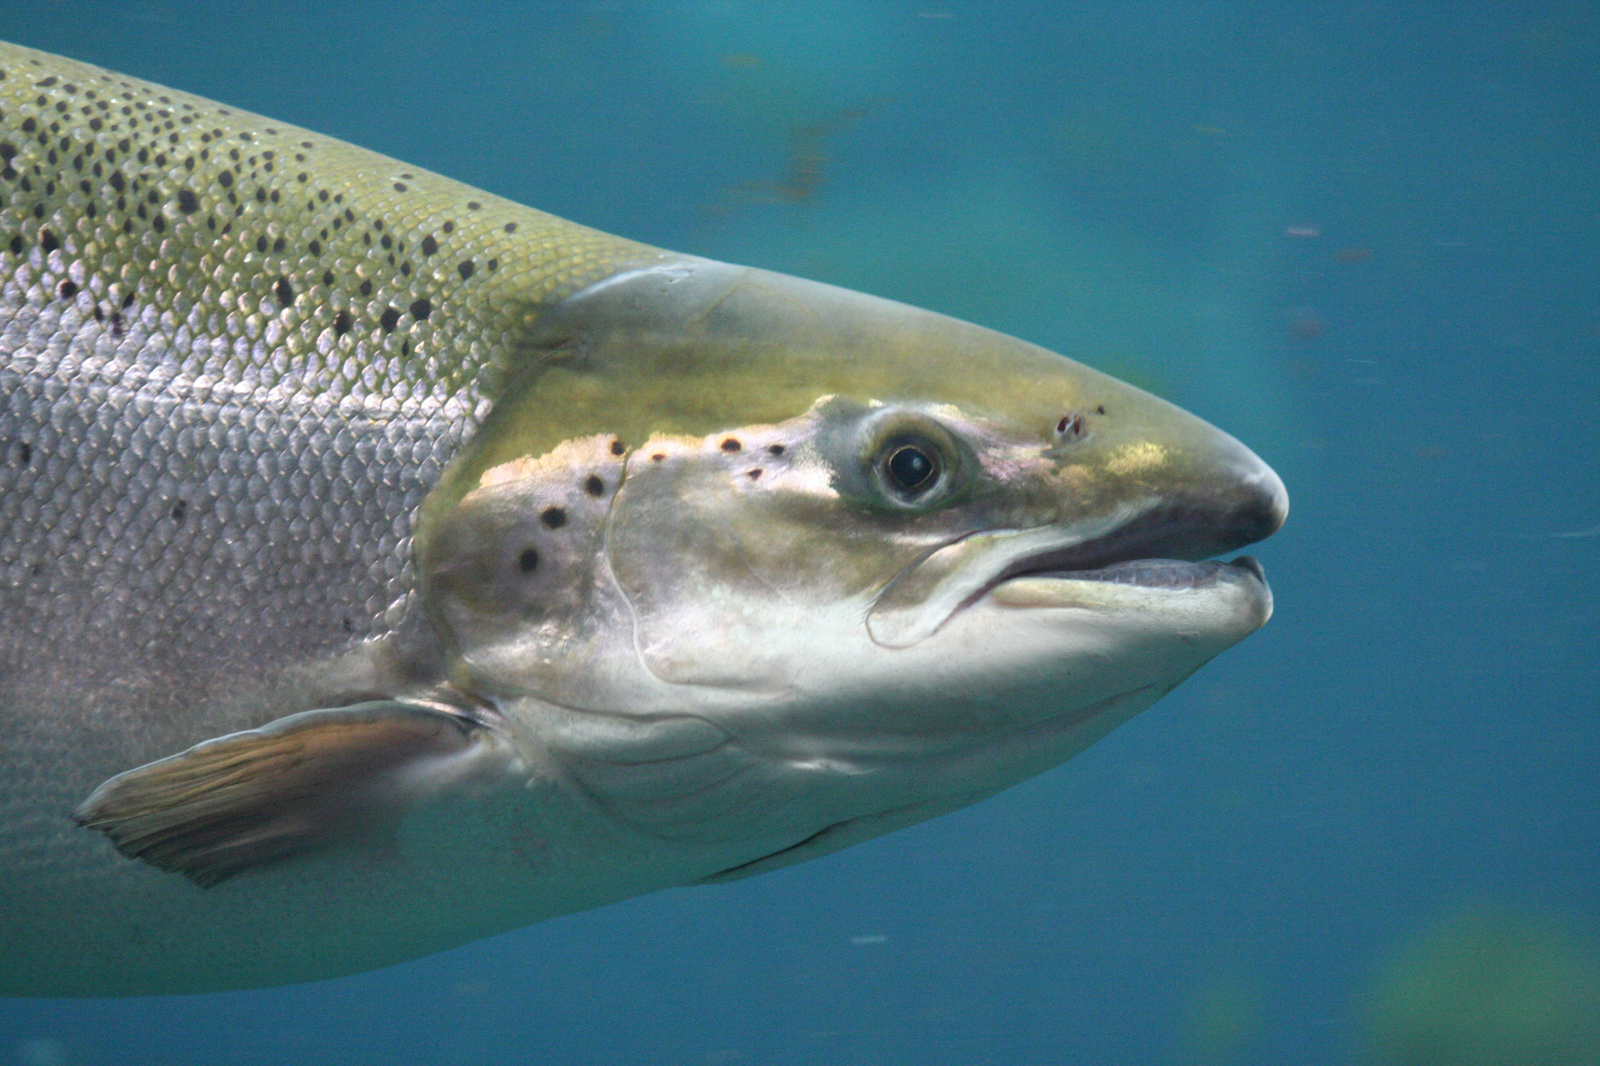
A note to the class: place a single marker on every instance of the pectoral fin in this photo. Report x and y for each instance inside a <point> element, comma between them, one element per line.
<point>293,786</point>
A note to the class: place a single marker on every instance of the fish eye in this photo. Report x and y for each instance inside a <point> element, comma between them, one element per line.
<point>910,470</point>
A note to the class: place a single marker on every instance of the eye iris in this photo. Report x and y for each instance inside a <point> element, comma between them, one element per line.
<point>911,469</point>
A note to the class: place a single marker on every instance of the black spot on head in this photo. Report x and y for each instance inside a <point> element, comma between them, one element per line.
<point>528,560</point>
<point>774,449</point>
<point>473,205</point>
<point>429,245</point>
<point>617,447</point>
<point>466,268</point>
<point>594,486</point>
<point>511,227</point>
<point>421,308</point>
<point>730,445</point>
<point>553,517</point>
<point>399,186</point>
<point>1100,410</point>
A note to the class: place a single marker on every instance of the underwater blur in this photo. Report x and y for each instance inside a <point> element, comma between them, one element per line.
<point>1363,241</point>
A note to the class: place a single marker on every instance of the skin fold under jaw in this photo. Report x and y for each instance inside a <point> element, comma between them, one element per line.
<point>386,565</point>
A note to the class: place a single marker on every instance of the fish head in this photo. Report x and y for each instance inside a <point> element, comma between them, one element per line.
<point>843,531</point>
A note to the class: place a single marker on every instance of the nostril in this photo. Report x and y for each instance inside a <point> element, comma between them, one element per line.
<point>1070,427</point>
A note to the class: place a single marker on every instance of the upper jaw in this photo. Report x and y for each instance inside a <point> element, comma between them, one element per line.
<point>1169,535</point>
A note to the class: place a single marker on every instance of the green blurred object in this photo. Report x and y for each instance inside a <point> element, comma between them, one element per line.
<point>1490,987</point>
<point>1222,1015</point>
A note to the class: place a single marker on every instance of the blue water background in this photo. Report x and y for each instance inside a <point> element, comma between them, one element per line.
<point>1363,238</point>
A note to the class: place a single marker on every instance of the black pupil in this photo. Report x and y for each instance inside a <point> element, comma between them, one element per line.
<point>910,469</point>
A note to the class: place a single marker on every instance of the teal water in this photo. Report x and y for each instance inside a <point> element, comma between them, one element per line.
<point>1364,239</point>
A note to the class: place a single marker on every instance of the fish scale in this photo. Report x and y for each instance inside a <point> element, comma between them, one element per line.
<point>238,354</point>
<point>334,337</point>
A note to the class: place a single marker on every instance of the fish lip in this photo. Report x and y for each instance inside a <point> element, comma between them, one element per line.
<point>1152,573</point>
<point>1169,547</point>
<point>1172,533</point>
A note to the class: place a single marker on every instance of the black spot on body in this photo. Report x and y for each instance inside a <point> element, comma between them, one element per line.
<point>730,445</point>
<point>528,561</point>
<point>284,292</point>
<point>47,241</point>
<point>390,319</point>
<point>774,449</point>
<point>594,486</point>
<point>466,268</point>
<point>617,447</point>
<point>327,277</point>
<point>366,287</point>
<point>399,186</point>
<point>342,323</point>
<point>226,179</point>
<point>180,511</point>
<point>553,517</point>
<point>68,289</point>
<point>315,246</point>
<point>421,309</point>
<point>25,452</point>
<point>429,245</point>
<point>511,227</point>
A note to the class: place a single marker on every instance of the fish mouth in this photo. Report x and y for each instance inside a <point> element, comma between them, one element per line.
<point>1163,549</point>
<point>1166,574</point>
<point>1139,558</point>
